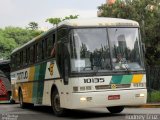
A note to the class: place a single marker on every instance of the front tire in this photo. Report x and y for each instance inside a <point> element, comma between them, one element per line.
<point>55,101</point>
<point>115,109</point>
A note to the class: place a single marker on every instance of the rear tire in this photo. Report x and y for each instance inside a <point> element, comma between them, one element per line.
<point>22,104</point>
<point>115,109</point>
<point>12,101</point>
<point>55,102</point>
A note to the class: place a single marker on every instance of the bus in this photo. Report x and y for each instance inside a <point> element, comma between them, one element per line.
<point>81,63</point>
<point>5,83</point>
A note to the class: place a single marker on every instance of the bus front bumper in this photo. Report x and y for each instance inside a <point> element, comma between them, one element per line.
<point>106,98</point>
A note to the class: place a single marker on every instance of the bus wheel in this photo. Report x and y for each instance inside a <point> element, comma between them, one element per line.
<point>55,101</point>
<point>22,104</point>
<point>12,101</point>
<point>115,109</point>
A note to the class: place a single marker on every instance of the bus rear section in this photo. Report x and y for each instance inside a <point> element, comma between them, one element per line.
<point>5,85</point>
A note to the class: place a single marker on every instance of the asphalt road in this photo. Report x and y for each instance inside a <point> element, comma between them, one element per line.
<point>14,112</point>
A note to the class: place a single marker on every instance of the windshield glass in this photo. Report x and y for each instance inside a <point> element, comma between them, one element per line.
<point>89,50</point>
<point>125,48</point>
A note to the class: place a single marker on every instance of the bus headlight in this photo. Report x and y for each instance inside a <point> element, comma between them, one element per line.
<point>140,95</point>
<point>84,99</point>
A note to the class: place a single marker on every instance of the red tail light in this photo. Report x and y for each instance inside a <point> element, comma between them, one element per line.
<point>3,90</point>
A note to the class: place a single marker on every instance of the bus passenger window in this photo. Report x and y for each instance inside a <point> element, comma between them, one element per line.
<point>13,62</point>
<point>62,33</point>
<point>26,62</point>
<point>28,55</point>
<point>18,59</point>
<point>39,51</point>
<point>31,55</point>
<point>42,49</point>
<point>36,52</point>
<point>24,57</point>
<point>21,58</point>
<point>51,41</point>
<point>45,48</point>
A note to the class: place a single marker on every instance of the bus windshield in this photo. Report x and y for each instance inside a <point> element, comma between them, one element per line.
<point>92,49</point>
<point>125,48</point>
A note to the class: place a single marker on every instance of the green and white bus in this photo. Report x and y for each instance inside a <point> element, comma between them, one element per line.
<point>81,63</point>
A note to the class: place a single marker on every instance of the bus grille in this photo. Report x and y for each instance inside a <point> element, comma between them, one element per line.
<point>100,87</point>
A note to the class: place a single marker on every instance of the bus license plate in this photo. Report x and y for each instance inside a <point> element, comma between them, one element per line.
<point>113,97</point>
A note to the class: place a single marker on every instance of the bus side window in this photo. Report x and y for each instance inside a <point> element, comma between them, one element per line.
<point>13,62</point>
<point>36,52</point>
<point>18,60</point>
<point>28,55</point>
<point>62,33</point>
<point>31,54</point>
<point>40,51</point>
<point>51,41</point>
<point>21,58</point>
<point>42,57</point>
<point>26,62</point>
<point>44,48</point>
<point>24,57</point>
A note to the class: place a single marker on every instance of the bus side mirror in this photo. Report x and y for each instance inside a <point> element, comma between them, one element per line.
<point>143,48</point>
<point>65,64</point>
<point>66,72</point>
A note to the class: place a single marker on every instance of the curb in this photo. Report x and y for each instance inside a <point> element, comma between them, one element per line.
<point>145,106</point>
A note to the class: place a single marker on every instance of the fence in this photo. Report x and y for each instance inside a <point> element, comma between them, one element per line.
<point>153,83</point>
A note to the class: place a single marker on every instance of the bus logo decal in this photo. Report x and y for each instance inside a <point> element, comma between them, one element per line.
<point>113,86</point>
<point>51,69</point>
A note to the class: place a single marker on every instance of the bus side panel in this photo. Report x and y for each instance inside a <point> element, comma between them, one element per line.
<point>52,76</point>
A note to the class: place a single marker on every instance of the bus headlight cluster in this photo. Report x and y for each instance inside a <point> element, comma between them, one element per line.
<point>81,88</point>
<point>139,84</point>
<point>140,95</point>
<point>85,99</point>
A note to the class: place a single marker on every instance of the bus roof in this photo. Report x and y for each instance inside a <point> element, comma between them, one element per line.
<point>88,22</point>
<point>100,21</point>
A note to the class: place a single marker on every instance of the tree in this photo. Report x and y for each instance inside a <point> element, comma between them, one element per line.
<point>33,25</point>
<point>12,37</point>
<point>147,13</point>
<point>55,21</point>
<point>70,17</point>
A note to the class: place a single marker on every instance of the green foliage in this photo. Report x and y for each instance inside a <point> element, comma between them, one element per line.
<point>33,25</point>
<point>55,21</point>
<point>147,13</point>
<point>153,96</point>
<point>70,17</point>
<point>12,37</point>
